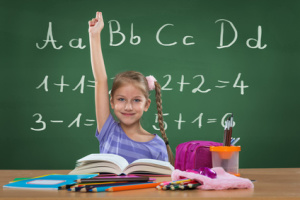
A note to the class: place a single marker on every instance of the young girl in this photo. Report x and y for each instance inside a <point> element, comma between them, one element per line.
<point>129,100</point>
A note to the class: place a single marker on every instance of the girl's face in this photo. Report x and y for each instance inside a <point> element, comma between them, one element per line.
<point>129,104</point>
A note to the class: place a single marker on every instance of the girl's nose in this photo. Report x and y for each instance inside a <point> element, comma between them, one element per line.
<point>128,106</point>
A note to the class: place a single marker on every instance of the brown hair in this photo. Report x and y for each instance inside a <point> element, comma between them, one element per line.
<point>139,80</point>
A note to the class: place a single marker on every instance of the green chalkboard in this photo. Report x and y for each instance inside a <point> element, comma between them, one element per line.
<point>210,57</point>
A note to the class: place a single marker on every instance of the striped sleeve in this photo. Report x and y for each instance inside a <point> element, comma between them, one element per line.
<point>106,129</point>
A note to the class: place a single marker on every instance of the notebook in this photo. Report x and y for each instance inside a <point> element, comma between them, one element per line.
<point>48,182</point>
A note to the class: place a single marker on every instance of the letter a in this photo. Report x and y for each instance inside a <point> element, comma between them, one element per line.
<point>49,39</point>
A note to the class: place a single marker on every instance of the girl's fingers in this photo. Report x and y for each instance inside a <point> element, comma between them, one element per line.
<point>93,21</point>
<point>98,15</point>
<point>101,16</point>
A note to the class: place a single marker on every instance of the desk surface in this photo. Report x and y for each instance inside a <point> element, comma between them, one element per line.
<point>269,184</point>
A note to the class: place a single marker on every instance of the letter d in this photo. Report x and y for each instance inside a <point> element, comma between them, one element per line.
<point>222,34</point>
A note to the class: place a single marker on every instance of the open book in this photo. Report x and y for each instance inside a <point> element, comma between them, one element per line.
<point>115,164</point>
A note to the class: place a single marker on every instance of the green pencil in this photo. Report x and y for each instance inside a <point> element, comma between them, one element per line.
<point>174,187</point>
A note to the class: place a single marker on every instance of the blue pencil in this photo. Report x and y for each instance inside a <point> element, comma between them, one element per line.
<point>235,141</point>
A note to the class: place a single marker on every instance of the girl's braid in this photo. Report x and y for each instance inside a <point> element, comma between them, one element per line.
<point>161,121</point>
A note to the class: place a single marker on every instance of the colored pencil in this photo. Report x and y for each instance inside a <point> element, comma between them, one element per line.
<point>232,139</point>
<point>189,186</point>
<point>192,181</point>
<point>235,141</point>
<point>101,183</point>
<point>102,189</point>
<point>99,180</point>
<point>166,187</point>
<point>230,130</point>
<point>225,133</point>
<point>168,182</point>
<point>75,189</point>
<point>92,188</point>
<point>132,187</point>
<point>181,181</point>
<point>174,187</point>
<point>159,187</point>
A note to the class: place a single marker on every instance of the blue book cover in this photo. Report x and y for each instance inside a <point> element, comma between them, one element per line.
<point>49,182</point>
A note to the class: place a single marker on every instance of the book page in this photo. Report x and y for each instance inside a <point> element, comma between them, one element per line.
<point>147,169</point>
<point>149,165</point>
<point>118,160</point>
<point>152,162</point>
<point>100,165</point>
<point>95,170</point>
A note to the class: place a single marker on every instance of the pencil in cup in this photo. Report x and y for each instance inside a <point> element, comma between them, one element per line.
<point>235,141</point>
<point>230,130</point>
<point>225,133</point>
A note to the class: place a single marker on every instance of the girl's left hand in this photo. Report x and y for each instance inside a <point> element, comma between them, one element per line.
<point>96,24</point>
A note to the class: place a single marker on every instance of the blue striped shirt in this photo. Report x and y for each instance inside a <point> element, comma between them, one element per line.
<point>114,140</point>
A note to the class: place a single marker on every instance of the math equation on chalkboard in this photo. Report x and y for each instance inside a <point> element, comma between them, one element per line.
<point>80,120</point>
<point>198,87</point>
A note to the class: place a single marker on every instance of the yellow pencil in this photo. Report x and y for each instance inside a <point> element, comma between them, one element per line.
<point>180,181</point>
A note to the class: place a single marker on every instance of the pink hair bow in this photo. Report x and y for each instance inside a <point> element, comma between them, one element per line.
<point>151,80</point>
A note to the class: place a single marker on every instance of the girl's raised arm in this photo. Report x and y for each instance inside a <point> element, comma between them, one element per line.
<point>101,87</point>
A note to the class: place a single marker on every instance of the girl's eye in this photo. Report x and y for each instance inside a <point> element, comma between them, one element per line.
<point>121,99</point>
<point>137,100</point>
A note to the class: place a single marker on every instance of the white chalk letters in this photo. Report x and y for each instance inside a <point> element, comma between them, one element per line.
<point>258,40</point>
<point>118,38</point>
<point>50,38</point>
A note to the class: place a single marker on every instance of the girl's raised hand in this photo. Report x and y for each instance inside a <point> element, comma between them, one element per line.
<point>96,24</point>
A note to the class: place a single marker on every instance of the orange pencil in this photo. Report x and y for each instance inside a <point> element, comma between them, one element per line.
<point>132,187</point>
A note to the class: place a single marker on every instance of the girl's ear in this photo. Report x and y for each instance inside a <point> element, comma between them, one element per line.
<point>112,103</point>
<point>147,105</point>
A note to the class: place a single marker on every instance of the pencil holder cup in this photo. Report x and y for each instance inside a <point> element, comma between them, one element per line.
<point>226,157</point>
